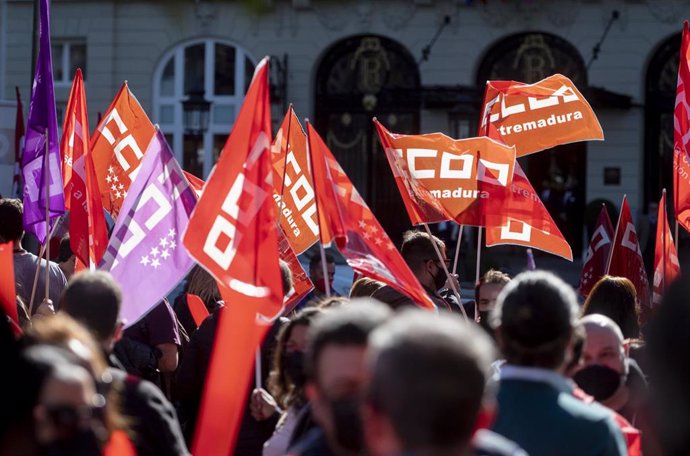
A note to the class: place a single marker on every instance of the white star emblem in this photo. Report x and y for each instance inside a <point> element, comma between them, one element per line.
<point>172,232</point>
<point>165,254</point>
<point>144,260</point>
<point>378,241</point>
<point>172,245</point>
<point>163,242</point>
<point>115,179</point>
<point>111,170</point>
<point>390,246</point>
<point>121,187</point>
<point>108,178</point>
<point>155,263</point>
<point>113,188</point>
<point>154,251</point>
<point>362,224</point>
<point>372,229</point>
<point>366,235</point>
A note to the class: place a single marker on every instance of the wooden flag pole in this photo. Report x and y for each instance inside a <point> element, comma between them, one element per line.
<point>479,255</point>
<point>257,368</point>
<point>38,269</point>
<point>451,282</point>
<point>457,250</point>
<point>47,188</point>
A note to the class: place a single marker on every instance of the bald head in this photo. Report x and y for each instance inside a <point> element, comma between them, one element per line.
<point>603,343</point>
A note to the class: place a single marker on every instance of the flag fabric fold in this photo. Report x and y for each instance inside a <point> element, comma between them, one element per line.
<point>681,136</point>
<point>666,264</point>
<point>87,227</point>
<point>359,236</point>
<point>8,294</point>
<point>233,234</point>
<point>19,133</point>
<point>42,120</point>
<point>301,285</point>
<point>625,258</point>
<point>118,146</point>
<point>594,267</point>
<point>146,240</point>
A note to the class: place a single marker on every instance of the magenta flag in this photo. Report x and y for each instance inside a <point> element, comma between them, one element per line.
<point>145,253</point>
<point>42,120</point>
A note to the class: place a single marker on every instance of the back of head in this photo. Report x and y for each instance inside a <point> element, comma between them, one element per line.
<point>603,322</point>
<point>364,287</point>
<point>347,325</point>
<point>285,277</point>
<point>492,276</point>
<point>93,299</point>
<point>616,298</point>
<point>12,216</point>
<point>418,247</point>
<point>65,250</point>
<point>315,261</point>
<point>202,284</point>
<point>428,377</point>
<point>534,317</point>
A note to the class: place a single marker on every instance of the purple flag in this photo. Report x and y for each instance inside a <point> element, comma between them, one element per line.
<point>42,118</point>
<point>145,253</point>
<point>531,265</point>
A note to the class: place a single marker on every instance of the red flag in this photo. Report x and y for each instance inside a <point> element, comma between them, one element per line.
<point>440,178</point>
<point>625,258</point>
<point>232,233</point>
<point>293,190</point>
<point>300,281</point>
<point>197,308</point>
<point>538,116</point>
<point>118,145</point>
<point>87,227</point>
<point>196,183</point>
<point>666,265</point>
<point>597,255</point>
<point>8,295</point>
<point>520,218</point>
<point>360,237</point>
<point>19,132</point>
<point>681,136</point>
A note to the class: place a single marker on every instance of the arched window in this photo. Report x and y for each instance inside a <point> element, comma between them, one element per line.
<point>219,69</point>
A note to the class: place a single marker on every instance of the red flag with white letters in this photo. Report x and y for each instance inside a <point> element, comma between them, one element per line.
<point>681,136</point>
<point>87,228</point>
<point>625,259</point>
<point>597,255</point>
<point>118,145</point>
<point>232,233</point>
<point>359,236</point>
<point>666,265</point>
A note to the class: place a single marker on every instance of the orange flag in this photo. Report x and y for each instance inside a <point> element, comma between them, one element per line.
<point>232,233</point>
<point>538,116</point>
<point>293,189</point>
<point>118,145</point>
<point>8,295</point>
<point>360,237</point>
<point>666,265</point>
<point>524,220</point>
<point>439,178</point>
<point>196,183</point>
<point>625,259</point>
<point>681,136</point>
<point>87,228</point>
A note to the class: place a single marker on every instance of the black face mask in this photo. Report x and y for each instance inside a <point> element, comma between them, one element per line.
<point>293,363</point>
<point>84,443</point>
<point>598,381</point>
<point>348,425</point>
<point>439,279</point>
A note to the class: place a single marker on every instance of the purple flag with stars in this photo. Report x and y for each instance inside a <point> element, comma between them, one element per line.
<point>145,253</point>
<point>42,119</point>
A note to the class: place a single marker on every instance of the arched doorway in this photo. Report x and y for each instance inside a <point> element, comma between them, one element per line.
<point>660,96</point>
<point>557,174</point>
<point>359,78</point>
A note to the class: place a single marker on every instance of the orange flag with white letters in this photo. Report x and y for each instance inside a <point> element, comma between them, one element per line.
<point>681,136</point>
<point>293,190</point>
<point>666,264</point>
<point>534,117</point>
<point>87,228</point>
<point>118,145</point>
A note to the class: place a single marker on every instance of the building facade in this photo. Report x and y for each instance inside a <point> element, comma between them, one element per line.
<point>416,65</point>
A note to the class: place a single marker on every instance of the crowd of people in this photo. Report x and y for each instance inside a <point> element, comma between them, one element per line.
<point>523,369</point>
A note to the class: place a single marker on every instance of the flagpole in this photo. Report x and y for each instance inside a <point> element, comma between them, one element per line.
<point>38,269</point>
<point>479,254</point>
<point>615,236</point>
<point>287,150</point>
<point>445,269</point>
<point>457,251</point>
<point>47,188</point>
<point>257,367</point>
<point>324,266</point>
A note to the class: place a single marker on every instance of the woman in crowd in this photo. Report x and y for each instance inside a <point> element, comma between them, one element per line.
<point>286,383</point>
<point>616,298</point>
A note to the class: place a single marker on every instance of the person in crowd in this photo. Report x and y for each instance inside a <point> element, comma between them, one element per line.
<point>202,284</point>
<point>419,253</point>
<point>364,287</point>
<point>94,299</point>
<point>486,291</point>
<point>422,410</point>
<point>534,320</point>
<point>286,383</point>
<point>336,345</point>
<point>616,298</point>
<point>26,263</point>
<point>66,259</point>
<point>668,350</point>
<point>607,373</point>
<point>317,278</point>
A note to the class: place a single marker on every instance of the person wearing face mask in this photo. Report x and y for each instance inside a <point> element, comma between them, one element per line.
<point>486,292</point>
<point>317,278</point>
<point>286,383</point>
<point>336,345</point>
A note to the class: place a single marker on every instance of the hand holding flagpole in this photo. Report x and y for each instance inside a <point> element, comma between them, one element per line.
<point>451,279</point>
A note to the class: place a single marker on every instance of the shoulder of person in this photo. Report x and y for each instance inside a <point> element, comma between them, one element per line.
<point>489,443</point>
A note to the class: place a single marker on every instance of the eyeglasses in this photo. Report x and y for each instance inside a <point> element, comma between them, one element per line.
<point>448,261</point>
<point>69,419</point>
